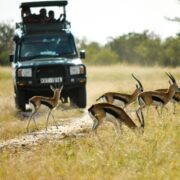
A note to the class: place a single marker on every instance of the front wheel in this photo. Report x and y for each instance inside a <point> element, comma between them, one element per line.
<point>20,99</point>
<point>78,97</point>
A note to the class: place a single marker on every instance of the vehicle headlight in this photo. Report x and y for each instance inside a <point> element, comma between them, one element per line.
<point>75,70</point>
<point>27,72</point>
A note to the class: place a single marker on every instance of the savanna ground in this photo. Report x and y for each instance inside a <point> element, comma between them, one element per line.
<point>155,155</point>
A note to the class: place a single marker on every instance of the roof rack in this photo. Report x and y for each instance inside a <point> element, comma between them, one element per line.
<point>44,3</point>
<point>32,24</point>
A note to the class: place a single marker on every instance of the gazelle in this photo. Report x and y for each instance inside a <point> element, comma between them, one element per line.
<point>108,112</point>
<point>121,99</point>
<point>174,100</point>
<point>156,98</point>
<point>51,102</point>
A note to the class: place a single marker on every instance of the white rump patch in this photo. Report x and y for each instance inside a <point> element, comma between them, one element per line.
<point>32,107</point>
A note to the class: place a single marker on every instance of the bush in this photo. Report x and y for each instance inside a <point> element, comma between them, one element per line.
<point>105,57</point>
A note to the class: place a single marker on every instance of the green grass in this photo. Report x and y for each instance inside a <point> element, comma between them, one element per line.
<point>155,155</point>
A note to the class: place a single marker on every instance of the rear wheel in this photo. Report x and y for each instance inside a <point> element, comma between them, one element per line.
<point>20,99</point>
<point>78,97</point>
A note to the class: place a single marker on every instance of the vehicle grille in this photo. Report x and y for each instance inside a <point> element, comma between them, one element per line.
<point>51,71</point>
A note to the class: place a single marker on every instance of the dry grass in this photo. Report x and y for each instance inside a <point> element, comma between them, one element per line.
<point>155,155</point>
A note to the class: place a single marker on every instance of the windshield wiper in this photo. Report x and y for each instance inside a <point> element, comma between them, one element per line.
<point>67,54</point>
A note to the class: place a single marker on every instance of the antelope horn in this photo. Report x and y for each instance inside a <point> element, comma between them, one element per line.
<point>169,76</point>
<point>173,79</point>
<point>137,81</point>
<point>61,87</point>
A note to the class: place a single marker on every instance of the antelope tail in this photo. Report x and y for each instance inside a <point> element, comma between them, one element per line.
<point>32,105</point>
<point>99,98</point>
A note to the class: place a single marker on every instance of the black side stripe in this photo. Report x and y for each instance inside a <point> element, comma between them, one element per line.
<point>111,111</point>
<point>50,106</point>
<point>121,99</point>
<point>155,98</point>
<point>176,98</point>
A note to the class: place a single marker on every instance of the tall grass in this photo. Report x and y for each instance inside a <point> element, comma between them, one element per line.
<point>155,155</point>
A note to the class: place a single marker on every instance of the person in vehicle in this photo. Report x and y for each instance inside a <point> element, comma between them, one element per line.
<point>51,16</point>
<point>26,15</point>
<point>26,12</point>
<point>43,15</point>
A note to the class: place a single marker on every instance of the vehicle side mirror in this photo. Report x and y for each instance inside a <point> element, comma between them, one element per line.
<point>82,54</point>
<point>11,57</point>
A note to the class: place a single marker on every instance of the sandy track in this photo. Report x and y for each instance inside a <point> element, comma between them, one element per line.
<point>73,127</point>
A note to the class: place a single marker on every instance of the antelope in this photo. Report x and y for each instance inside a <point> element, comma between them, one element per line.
<point>108,112</point>
<point>156,98</point>
<point>174,100</point>
<point>121,99</point>
<point>51,102</point>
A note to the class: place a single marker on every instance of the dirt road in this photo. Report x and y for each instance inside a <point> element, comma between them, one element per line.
<point>72,127</point>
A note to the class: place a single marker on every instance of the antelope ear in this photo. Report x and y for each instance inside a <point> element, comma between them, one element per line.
<point>137,86</point>
<point>52,88</point>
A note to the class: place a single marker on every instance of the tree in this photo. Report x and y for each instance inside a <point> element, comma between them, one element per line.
<point>6,42</point>
<point>171,53</point>
<point>137,48</point>
<point>98,54</point>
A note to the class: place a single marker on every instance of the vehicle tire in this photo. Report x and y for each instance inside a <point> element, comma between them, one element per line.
<point>20,100</point>
<point>79,97</point>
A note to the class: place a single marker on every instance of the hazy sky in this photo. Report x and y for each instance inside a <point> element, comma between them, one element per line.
<point>99,19</point>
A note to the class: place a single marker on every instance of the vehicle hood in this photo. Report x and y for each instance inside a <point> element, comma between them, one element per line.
<point>49,61</point>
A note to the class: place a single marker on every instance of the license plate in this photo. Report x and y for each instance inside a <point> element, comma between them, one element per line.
<point>51,80</point>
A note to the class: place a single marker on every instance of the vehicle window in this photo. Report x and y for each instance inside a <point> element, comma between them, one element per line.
<point>49,46</point>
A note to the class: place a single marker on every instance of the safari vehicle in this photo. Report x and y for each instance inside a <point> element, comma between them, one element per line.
<point>45,54</point>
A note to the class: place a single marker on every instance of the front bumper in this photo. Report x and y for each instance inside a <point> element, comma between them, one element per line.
<point>29,84</point>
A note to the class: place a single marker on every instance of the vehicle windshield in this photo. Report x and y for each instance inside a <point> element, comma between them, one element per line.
<point>47,46</point>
